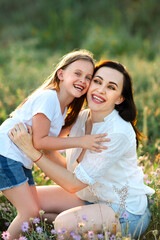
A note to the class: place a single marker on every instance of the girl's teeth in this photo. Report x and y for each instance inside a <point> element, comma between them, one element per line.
<point>78,87</point>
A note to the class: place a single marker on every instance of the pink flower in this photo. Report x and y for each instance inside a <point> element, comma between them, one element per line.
<point>148,181</point>
<point>5,235</point>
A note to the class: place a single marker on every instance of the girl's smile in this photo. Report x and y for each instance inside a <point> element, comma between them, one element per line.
<point>76,78</point>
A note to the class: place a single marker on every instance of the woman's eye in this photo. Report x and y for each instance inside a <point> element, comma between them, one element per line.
<point>96,81</point>
<point>111,87</point>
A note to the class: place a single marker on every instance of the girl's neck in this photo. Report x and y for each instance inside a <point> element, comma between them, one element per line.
<point>64,100</point>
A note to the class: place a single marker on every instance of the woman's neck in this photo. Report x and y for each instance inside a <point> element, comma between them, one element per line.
<point>98,116</point>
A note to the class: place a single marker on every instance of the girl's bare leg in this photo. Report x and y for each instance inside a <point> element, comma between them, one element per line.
<point>25,200</point>
<point>89,217</point>
<point>54,200</point>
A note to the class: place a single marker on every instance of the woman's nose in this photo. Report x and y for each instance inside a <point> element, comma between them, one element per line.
<point>102,89</point>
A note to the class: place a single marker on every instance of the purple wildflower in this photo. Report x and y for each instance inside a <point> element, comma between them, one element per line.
<point>100,236</point>
<point>72,233</point>
<point>113,237</point>
<point>39,229</point>
<point>125,215</point>
<point>77,237</point>
<point>53,231</point>
<point>84,217</point>
<point>7,224</point>
<point>63,230</point>
<point>36,220</point>
<point>25,227</point>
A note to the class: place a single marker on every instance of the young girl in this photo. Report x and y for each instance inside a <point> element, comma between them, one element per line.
<point>57,102</point>
<point>110,178</point>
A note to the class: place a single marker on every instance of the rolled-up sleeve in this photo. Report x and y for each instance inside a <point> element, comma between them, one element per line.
<point>95,165</point>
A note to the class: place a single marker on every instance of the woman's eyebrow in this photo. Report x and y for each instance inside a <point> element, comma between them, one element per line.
<point>114,83</point>
<point>109,82</point>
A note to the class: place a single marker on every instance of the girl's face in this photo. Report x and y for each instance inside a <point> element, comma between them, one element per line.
<point>105,91</point>
<point>76,78</point>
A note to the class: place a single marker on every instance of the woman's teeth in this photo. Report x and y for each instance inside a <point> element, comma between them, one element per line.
<point>98,98</point>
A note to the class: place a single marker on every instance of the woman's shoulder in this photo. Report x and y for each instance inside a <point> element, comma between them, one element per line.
<point>123,127</point>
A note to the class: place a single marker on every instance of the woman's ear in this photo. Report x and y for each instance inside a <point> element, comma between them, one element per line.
<point>60,74</point>
<point>120,100</point>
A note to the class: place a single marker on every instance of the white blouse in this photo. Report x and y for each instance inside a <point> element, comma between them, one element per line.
<point>112,175</point>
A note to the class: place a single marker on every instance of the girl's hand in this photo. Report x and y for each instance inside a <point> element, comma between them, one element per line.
<point>92,142</point>
<point>23,139</point>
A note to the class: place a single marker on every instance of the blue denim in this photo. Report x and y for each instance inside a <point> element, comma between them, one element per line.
<point>13,173</point>
<point>136,225</point>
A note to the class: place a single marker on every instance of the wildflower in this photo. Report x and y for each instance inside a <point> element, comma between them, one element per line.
<point>72,233</point>
<point>125,215</point>
<point>148,181</point>
<point>113,237</point>
<point>25,226</point>
<point>36,220</point>
<point>100,236</point>
<point>63,230</point>
<point>5,235</point>
<point>84,217</point>
<point>53,231</point>
<point>90,234</point>
<point>59,231</point>
<point>81,224</point>
<point>23,238</point>
<point>77,237</point>
<point>7,224</point>
<point>41,212</point>
<point>39,230</point>
<point>151,201</point>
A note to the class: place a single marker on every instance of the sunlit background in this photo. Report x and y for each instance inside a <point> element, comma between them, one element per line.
<point>34,34</point>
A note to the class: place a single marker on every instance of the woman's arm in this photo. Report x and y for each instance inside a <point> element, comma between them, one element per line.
<point>41,140</point>
<point>57,173</point>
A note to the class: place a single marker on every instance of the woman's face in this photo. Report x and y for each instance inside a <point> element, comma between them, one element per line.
<point>105,91</point>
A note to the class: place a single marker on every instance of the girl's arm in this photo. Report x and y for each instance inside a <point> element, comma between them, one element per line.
<point>57,173</point>
<point>41,140</point>
<point>56,157</point>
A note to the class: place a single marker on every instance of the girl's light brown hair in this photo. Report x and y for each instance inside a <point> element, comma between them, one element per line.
<point>53,82</point>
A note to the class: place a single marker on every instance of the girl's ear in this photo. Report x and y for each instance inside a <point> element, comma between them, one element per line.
<point>60,74</point>
<point>119,100</point>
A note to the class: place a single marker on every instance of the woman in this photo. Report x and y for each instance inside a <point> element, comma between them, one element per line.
<point>110,179</point>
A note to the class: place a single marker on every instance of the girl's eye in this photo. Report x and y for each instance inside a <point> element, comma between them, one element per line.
<point>77,73</point>
<point>89,78</point>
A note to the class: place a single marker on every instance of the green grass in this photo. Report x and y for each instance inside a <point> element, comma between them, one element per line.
<point>150,165</point>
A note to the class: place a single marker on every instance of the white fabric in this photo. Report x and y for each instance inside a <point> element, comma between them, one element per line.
<point>42,101</point>
<point>113,174</point>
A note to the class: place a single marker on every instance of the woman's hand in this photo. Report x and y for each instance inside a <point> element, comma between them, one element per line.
<point>92,142</point>
<point>23,139</point>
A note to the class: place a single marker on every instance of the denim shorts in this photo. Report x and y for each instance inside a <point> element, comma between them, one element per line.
<point>132,224</point>
<point>13,173</point>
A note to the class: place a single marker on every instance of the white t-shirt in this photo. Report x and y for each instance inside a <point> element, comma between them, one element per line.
<point>113,174</point>
<point>42,101</point>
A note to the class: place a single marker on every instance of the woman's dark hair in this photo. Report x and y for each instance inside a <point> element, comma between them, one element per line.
<point>127,109</point>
